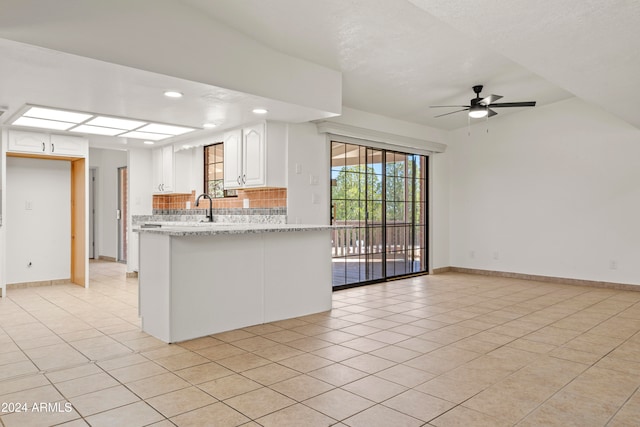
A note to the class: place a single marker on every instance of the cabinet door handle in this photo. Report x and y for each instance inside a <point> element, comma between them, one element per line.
<point>239,183</point>
<point>43,147</point>
<point>244,178</point>
<point>53,148</point>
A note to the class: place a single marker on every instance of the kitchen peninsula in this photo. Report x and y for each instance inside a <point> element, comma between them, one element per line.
<point>203,278</point>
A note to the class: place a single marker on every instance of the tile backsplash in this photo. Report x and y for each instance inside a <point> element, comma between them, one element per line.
<point>262,198</point>
<point>264,205</point>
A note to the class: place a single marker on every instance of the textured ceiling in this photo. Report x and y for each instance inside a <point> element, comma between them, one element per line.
<point>396,58</point>
<point>591,48</point>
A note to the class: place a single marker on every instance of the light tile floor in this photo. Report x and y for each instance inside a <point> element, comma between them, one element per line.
<point>445,350</point>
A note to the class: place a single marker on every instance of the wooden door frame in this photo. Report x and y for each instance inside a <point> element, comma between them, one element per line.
<point>79,239</point>
<point>79,235</point>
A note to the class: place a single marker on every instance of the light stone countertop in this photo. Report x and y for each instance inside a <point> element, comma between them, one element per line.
<point>214,228</point>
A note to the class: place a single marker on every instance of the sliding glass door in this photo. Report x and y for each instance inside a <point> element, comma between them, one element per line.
<point>379,198</point>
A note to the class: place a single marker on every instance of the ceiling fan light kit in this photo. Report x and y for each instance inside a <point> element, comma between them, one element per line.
<point>479,108</point>
<point>478,112</point>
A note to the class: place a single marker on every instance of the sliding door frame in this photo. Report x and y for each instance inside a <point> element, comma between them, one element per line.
<point>407,226</point>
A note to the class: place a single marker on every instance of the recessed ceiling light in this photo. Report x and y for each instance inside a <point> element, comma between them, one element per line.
<point>260,111</point>
<point>145,135</point>
<point>42,123</point>
<point>97,130</point>
<point>167,129</point>
<point>173,94</point>
<point>59,115</point>
<point>209,125</point>
<point>117,123</point>
<point>149,142</point>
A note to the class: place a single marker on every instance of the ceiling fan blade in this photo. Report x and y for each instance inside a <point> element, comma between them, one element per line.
<point>514,104</point>
<point>491,112</point>
<point>449,106</point>
<point>489,99</point>
<point>453,112</point>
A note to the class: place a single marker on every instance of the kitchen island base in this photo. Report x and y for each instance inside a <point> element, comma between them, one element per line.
<point>196,285</point>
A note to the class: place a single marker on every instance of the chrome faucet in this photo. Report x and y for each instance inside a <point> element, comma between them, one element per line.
<point>210,214</point>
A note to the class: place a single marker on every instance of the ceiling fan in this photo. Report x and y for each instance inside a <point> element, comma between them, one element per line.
<point>481,107</point>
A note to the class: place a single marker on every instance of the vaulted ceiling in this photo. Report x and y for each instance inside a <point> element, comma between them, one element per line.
<point>399,57</point>
<point>396,57</point>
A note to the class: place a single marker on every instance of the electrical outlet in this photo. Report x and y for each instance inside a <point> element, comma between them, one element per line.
<point>313,180</point>
<point>472,254</point>
<point>298,168</point>
<point>496,255</point>
<point>188,205</point>
<point>613,264</point>
<point>28,205</point>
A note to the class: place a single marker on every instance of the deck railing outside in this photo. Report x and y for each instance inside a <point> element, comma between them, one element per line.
<point>354,238</point>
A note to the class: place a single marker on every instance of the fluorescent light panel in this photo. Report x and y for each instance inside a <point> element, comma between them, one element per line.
<point>42,123</point>
<point>113,122</point>
<point>59,115</point>
<point>97,130</point>
<point>166,129</point>
<point>145,135</point>
<point>50,118</point>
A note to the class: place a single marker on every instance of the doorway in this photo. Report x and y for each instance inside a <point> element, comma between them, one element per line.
<point>121,214</point>
<point>92,213</point>
<point>379,197</point>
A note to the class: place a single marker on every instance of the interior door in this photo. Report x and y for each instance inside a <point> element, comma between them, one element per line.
<point>92,213</point>
<point>121,214</point>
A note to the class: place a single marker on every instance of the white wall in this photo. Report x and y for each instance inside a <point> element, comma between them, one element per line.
<point>550,191</point>
<point>380,123</point>
<point>38,220</point>
<point>3,208</point>
<point>308,158</point>
<point>140,197</point>
<point>106,163</point>
<point>439,203</point>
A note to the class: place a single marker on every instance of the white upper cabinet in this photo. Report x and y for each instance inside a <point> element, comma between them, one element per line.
<point>28,142</point>
<point>45,144</point>
<point>233,159</point>
<point>66,145</point>
<point>163,169</point>
<point>254,156</point>
<point>172,171</point>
